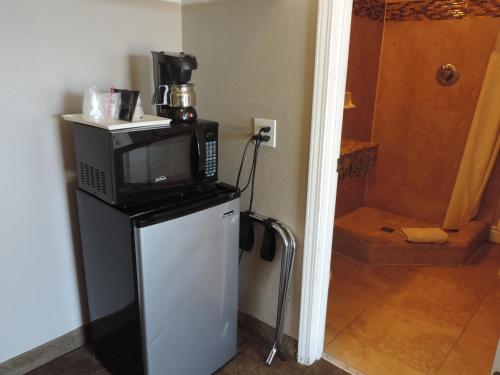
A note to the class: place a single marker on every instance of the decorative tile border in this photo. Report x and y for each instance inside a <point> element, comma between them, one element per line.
<point>357,158</point>
<point>373,9</point>
<point>417,10</point>
<point>441,9</point>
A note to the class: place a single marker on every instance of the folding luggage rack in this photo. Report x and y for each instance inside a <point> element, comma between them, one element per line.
<point>287,261</point>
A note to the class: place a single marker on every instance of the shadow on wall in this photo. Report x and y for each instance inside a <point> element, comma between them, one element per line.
<point>137,66</point>
<point>72,103</point>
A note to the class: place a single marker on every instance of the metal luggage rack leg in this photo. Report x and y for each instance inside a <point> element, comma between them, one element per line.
<point>287,261</point>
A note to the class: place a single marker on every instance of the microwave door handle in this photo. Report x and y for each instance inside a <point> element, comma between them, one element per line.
<point>200,156</point>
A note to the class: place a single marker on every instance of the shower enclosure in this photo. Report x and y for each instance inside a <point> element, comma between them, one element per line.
<point>418,126</point>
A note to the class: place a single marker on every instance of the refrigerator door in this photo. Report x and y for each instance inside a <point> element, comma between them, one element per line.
<point>187,271</point>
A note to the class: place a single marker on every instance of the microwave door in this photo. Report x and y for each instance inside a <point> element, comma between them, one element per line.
<point>159,163</point>
<point>131,173</point>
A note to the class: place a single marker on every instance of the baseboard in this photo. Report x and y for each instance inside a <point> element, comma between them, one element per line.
<point>266,332</point>
<point>77,338</point>
<point>47,352</point>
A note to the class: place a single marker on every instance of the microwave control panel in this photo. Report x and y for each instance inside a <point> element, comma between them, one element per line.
<point>211,158</point>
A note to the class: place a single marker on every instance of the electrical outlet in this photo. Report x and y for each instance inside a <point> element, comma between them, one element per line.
<point>259,123</point>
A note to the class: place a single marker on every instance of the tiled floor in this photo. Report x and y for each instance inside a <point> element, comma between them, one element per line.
<point>415,320</point>
<point>252,352</point>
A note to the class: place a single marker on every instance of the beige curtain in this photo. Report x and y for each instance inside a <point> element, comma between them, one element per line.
<point>480,151</point>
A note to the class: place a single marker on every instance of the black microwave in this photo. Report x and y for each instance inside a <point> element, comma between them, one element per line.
<point>130,166</point>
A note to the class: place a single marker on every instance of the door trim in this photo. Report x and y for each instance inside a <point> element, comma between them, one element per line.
<point>332,47</point>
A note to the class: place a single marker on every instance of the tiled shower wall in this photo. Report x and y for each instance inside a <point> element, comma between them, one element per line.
<point>421,126</point>
<point>364,56</point>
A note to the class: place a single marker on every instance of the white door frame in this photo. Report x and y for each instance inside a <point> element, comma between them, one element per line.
<point>332,46</point>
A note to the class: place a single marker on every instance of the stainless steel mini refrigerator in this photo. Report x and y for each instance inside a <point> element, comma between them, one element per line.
<point>162,282</point>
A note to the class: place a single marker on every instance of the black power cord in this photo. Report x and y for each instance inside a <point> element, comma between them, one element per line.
<point>242,160</point>
<point>258,138</point>
<point>256,155</point>
<point>258,142</point>
<point>254,162</point>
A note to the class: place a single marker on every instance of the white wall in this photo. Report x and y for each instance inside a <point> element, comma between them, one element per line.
<point>51,51</point>
<point>256,59</point>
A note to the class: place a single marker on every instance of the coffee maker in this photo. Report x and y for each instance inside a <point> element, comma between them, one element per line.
<point>174,96</point>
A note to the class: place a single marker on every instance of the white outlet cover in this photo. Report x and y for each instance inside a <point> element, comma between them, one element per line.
<point>261,122</point>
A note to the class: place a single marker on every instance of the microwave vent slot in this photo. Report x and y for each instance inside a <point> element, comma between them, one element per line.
<point>92,177</point>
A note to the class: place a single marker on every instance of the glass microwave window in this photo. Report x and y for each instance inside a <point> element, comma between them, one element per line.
<point>165,161</point>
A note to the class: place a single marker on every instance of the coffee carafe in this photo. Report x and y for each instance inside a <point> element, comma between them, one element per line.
<point>174,96</point>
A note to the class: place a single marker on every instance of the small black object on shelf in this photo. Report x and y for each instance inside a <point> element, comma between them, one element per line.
<point>128,103</point>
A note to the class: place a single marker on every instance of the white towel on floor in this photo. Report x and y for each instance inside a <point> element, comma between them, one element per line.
<point>424,235</point>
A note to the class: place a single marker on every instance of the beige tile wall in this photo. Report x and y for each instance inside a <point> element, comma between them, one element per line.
<point>421,126</point>
<point>350,195</point>
<point>364,56</point>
